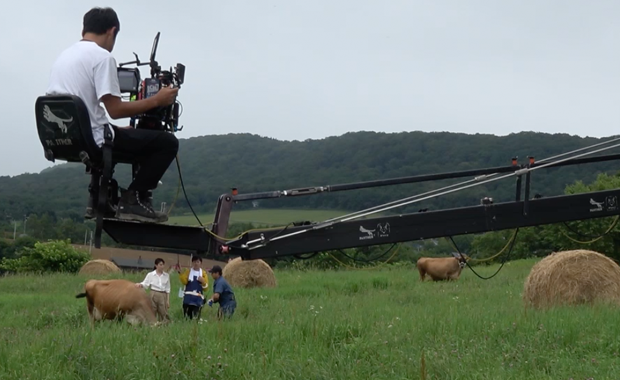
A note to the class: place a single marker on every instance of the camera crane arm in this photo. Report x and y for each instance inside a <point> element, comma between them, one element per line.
<point>351,231</point>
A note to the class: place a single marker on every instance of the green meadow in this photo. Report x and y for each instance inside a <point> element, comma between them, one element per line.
<point>379,323</point>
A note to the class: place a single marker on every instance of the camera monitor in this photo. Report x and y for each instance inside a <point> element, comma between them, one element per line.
<point>128,79</point>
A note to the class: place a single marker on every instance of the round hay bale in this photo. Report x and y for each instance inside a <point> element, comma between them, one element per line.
<point>99,267</point>
<point>249,273</point>
<point>572,278</point>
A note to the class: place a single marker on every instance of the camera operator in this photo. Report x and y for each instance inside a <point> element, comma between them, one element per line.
<point>88,70</point>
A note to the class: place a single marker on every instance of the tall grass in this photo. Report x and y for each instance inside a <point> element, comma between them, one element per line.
<point>367,324</point>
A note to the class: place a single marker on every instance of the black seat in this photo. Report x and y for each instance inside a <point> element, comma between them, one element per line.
<point>64,128</point>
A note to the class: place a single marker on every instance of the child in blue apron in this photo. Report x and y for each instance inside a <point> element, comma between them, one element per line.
<point>196,283</point>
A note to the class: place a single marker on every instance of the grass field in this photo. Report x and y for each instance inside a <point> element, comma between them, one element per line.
<point>262,216</point>
<point>367,324</point>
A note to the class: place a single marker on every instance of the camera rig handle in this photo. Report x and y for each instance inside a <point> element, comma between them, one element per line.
<point>136,62</point>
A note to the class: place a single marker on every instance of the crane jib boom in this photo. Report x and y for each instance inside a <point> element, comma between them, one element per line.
<point>352,231</point>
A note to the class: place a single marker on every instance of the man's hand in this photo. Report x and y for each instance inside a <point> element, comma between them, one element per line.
<point>117,109</point>
<point>166,96</point>
<point>138,285</point>
<point>202,280</point>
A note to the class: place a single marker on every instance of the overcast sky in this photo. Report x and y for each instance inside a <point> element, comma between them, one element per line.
<point>311,69</point>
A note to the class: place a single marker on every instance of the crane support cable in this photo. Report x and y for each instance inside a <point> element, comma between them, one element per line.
<point>400,203</point>
<point>517,173</point>
<point>477,178</point>
<point>525,170</point>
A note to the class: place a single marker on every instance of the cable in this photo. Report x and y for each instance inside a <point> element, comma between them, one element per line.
<point>365,268</point>
<point>185,193</point>
<point>580,149</point>
<point>409,198</point>
<point>498,269</point>
<point>176,197</point>
<point>368,260</point>
<point>464,182</point>
<point>590,236</point>
<point>519,172</point>
<point>596,238</point>
<point>565,159</point>
<point>384,209</point>
<point>220,238</point>
<point>514,235</point>
<point>300,257</point>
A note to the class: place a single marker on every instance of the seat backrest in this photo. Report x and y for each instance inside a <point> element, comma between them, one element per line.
<point>64,128</point>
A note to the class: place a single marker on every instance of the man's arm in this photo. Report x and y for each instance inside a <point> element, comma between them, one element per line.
<point>117,109</point>
<point>217,290</point>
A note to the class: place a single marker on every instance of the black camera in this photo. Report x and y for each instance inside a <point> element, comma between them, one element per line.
<point>159,118</point>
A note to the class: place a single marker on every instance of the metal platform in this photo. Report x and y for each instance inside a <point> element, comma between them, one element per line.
<point>157,235</point>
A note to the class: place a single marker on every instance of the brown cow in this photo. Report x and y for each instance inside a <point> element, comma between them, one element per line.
<point>117,299</point>
<point>442,268</point>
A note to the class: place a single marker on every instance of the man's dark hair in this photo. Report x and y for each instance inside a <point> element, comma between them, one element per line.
<point>196,258</point>
<point>216,269</point>
<point>159,260</point>
<point>100,20</point>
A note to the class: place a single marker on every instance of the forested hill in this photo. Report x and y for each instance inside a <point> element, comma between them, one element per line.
<point>211,165</point>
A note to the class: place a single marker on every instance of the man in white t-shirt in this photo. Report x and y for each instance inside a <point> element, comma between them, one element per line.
<point>87,69</point>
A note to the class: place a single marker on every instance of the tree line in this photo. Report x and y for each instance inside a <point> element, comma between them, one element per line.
<point>212,165</point>
<point>602,235</point>
<point>54,200</point>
